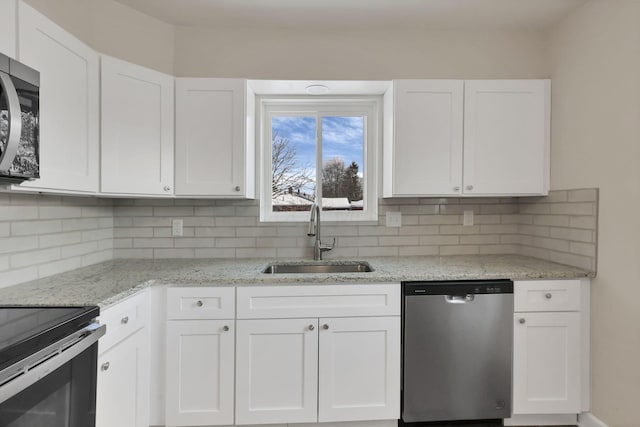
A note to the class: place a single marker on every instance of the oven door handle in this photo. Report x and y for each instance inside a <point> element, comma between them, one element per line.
<point>8,155</point>
<point>23,374</point>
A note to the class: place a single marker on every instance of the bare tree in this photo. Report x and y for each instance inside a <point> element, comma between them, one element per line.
<point>286,173</point>
<point>339,180</point>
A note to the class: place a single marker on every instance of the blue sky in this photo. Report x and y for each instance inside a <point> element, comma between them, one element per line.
<point>341,137</point>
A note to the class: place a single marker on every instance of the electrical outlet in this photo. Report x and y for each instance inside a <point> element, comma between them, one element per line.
<point>394,219</point>
<point>176,228</point>
<point>468,218</point>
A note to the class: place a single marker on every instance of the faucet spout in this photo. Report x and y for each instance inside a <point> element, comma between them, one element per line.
<point>314,230</point>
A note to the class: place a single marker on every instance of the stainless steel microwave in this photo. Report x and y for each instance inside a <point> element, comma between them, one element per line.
<point>19,122</point>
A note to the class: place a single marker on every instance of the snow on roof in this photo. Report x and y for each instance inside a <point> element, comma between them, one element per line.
<point>290,199</point>
<point>335,203</point>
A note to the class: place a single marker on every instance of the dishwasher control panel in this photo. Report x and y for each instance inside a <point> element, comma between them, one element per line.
<point>458,287</point>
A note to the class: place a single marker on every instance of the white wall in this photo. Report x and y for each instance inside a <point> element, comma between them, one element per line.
<point>381,53</point>
<point>114,29</point>
<point>595,60</point>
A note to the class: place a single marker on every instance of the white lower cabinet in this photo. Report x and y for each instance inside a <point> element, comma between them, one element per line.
<point>122,397</point>
<point>277,371</point>
<point>340,364</point>
<point>359,369</point>
<point>546,369</point>
<point>199,382</point>
<point>123,388</point>
<point>200,349</point>
<point>550,352</point>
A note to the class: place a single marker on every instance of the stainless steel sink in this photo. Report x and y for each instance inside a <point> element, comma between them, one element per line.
<point>318,267</point>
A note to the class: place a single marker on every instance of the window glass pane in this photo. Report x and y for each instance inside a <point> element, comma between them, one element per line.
<point>342,163</point>
<point>293,153</point>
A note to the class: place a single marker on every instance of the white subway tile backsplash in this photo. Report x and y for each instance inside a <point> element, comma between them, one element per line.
<point>572,208</point>
<point>583,195</point>
<point>18,213</point>
<point>18,244</point>
<point>459,250</point>
<point>42,235</point>
<point>29,228</point>
<point>25,259</point>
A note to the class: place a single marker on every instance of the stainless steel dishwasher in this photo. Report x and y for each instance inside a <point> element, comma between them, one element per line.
<point>457,350</point>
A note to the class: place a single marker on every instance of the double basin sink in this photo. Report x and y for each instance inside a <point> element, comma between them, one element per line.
<point>318,267</point>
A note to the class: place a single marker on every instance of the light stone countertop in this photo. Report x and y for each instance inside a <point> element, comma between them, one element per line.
<point>109,282</point>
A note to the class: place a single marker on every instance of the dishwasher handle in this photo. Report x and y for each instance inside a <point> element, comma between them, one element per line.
<point>459,299</point>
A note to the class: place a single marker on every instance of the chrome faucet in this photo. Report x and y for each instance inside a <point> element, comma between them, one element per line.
<point>314,230</point>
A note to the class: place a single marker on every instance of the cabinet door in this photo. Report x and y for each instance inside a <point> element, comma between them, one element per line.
<point>506,137</point>
<point>214,148</point>
<point>277,371</point>
<point>359,369</point>
<point>68,104</point>
<point>137,129</point>
<point>546,363</point>
<point>427,144</point>
<point>8,28</point>
<point>122,397</point>
<point>199,378</point>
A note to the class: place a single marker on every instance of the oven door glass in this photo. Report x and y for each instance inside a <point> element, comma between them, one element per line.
<point>64,398</point>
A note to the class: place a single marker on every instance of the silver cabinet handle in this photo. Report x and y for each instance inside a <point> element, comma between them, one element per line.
<point>521,320</point>
<point>225,328</point>
<point>469,187</point>
<point>167,188</point>
<point>105,366</point>
<point>311,327</point>
<point>456,188</point>
<point>199,303</point>
<point>237,188</point>
<point>124,320</point>
<point>325,326</point>
<point>548,295</point>
<point>15,123</point>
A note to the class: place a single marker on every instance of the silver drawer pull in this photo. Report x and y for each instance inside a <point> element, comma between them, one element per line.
<point>105,366</point>
<point>199,303</point>
<point>548,296</point>
<point>325,326</point>
<point>521,320</point>
<point>225,328</point>
<point>311,327</point>
<point>124,320</point>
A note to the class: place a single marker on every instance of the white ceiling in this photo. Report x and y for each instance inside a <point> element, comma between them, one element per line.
<point>434,14</point>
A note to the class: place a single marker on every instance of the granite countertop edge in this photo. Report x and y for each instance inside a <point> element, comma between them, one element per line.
<point>107,283</point>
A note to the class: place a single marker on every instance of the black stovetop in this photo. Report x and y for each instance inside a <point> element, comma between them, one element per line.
<point>25,330</point>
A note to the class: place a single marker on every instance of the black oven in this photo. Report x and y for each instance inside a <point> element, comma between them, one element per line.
<point>48,366</point>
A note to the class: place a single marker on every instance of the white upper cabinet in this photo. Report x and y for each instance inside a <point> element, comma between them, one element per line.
<point>424,155</point>
<point>215,138</point>
<point>69,104</point>
<point>506,137</point>
<point>468,138</point>
<point>8,28</point>
<point>137,129</point>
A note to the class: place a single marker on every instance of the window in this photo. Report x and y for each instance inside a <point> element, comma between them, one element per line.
<point>322,151</point>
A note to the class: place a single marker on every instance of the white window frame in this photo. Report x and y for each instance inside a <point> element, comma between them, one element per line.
<point>368,106</point>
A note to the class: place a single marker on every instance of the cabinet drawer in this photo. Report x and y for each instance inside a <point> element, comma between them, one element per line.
<point>275,302</point>
<point>200,303</point>
<point>123,319</point>
<point>547,295</point>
